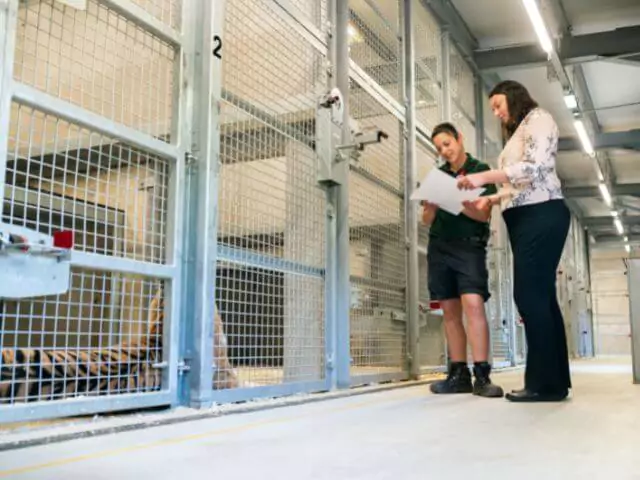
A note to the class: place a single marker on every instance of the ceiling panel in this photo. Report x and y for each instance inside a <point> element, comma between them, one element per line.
<point>594,207</point>
<point>496,22</point>
<point>626,166</point>
<point>613,84</point>
<point>576,169</point>
<point>588,16</point>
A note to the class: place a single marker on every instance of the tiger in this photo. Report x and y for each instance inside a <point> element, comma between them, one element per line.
<point>36,374</point>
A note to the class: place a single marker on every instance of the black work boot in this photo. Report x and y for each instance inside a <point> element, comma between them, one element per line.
<point>458,380</point>
<point>483,386</point>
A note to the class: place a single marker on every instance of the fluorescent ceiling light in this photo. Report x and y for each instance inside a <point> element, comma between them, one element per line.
<point>570,101</point>
<point>619,226</point>
<point>584,138</point>
<point>538,25</point>
<point>605,193</point>
<point>626,239</point>
<point>627,248</point>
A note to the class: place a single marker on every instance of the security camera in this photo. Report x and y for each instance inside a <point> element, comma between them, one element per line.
<point>369,137</point>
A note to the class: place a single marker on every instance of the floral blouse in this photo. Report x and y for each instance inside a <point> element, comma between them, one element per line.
<point>529,160</point>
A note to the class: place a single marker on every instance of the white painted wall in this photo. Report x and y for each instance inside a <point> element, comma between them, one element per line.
<point>611,303</point>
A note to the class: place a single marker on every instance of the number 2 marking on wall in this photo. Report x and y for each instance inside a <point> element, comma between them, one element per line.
<point>218,46</point>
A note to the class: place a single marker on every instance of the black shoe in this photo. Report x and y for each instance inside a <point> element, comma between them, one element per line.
<point>483,386</point>
<point>527,396</point>
<point>458,381</point>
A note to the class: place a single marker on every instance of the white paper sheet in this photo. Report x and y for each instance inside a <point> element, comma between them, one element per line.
<point>442,189</point>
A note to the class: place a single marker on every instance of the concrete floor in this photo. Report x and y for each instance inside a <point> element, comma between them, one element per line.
<point>399,434</point>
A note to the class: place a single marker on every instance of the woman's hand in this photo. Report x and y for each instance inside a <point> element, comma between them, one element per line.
<point>469,182</point>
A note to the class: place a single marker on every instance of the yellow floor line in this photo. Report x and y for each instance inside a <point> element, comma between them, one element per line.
<point>187,438</point>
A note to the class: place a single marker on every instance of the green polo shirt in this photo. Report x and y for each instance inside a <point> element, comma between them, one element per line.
<point>450,227</point>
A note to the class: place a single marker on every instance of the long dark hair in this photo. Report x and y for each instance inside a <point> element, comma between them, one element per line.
<point>519,102</point>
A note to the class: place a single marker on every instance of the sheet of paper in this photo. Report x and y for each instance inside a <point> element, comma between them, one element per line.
<point>442,189</point>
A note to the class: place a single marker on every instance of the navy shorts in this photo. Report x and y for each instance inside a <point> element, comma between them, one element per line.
<point>457,267</point>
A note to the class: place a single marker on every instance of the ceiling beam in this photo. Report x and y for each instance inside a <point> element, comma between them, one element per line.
<point>629,140</point>
<point>607,221</point>
<point>621,42</point>
<point>616,239</point>
<point>620,189</point>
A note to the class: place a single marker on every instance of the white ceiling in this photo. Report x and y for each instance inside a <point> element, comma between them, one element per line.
<point>577,169</point>
<point>589,16</point>
<point>496,23</point>
<point>613,84</point>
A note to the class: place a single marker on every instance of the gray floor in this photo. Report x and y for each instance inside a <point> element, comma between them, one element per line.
<point>400,434</point>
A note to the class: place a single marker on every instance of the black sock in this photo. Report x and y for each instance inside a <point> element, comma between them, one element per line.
<point>482,369</point>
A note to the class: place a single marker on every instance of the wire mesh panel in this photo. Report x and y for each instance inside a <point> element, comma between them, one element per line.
<point>582,289</point>
<point>168,12</point>
<point>428,61</point>
<point>493,133</point>
<point>270,288</point>
<point>99,60</point>
<point>462,91</point>
<point>462,84</point>
<point>497,308</point>
<point>61,176</point>
<point>568,294</point>
<point>374,42</point>
<point>93,340</point>
<point>313,11</point>
<point>78,75</point>
<point>377,258</point>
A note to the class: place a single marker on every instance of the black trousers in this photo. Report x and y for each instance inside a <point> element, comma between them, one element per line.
<point>538,234</point>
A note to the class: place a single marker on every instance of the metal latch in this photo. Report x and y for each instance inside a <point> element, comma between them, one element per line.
<point>183,366</point>
<point>34,264</point>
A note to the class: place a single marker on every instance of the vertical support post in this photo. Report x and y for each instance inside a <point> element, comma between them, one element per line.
<point>177,221</point>
<point>480,133</point>
<point>447,112</point>
<point>331,235</point>
<point>411,223</point>
<point>511,314</point>
<point>331,290</point>
<point>343,285</point>
<point>8,23</point>
<point>633,277</point>
<point>206,19</point>
<point>445,49</point>
<point>589,296</point>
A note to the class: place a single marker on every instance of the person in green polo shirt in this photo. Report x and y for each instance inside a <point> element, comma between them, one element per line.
<point>458,275</point>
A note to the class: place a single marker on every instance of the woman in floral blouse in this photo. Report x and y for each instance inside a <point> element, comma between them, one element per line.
<point>538,220</point>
